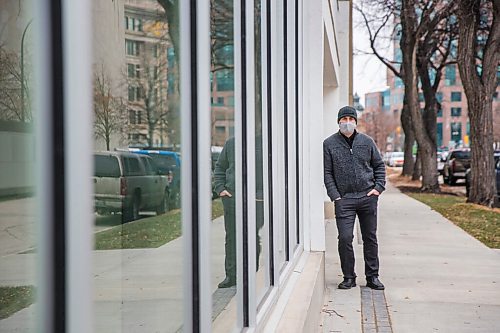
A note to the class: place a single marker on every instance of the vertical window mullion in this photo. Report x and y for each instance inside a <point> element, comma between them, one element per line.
<point>297,133</point>
<point>285,123</point>
<point>195,136</point>
<point>269,140</point>
<point>77,124</point>
<point>245,160</point>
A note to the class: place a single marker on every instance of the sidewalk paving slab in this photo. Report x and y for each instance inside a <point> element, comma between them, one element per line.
<point>438,278</point>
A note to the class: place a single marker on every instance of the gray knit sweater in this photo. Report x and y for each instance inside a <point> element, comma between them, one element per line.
<point>352,173</point>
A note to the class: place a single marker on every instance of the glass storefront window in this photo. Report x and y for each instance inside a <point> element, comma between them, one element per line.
<point>18,198</point>
<point>138,257</point>
<point>224,237</point>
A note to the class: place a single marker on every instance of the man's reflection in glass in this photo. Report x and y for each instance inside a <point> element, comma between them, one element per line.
<point>224,186</point>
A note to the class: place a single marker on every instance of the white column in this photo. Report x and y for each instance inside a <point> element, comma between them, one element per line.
<point>312,185</point>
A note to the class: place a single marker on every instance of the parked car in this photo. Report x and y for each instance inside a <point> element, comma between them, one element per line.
<point>441,159</point>
<point>457,162</point>
<point>497,175</point>
<point>397,159</point>
<point>128,183</point>
<point>169,164</point>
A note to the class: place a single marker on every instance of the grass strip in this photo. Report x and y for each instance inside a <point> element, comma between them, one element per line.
<point>13,299</point>
<point>481,222</point>
<point>149,232</point>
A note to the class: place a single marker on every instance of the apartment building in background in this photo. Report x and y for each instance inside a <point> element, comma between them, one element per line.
<point>147,48</point>
<point>453,127</point>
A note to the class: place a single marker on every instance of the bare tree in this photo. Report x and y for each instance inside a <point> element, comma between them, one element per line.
<point>378,18</point>
<point>108,108</point>
<point>153,87</point>
<point>11,86</point>
<point>478,61</point>
<point>434,53</point>
<point>420,26</point>
<point>221,31</point>
<point>379,125</point>
<point>416,26</point>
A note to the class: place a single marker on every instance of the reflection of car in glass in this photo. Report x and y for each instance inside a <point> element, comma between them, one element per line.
<point>457,162</point>
<point>497,174</point>
<point>169,164</point>
<point>128,183</point>
<point>216,150</point>
<point>396,159</point>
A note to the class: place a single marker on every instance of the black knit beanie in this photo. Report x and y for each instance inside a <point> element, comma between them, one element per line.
<point>347,111</point>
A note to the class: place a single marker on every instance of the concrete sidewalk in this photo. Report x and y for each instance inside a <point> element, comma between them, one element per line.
<point>437,277</point>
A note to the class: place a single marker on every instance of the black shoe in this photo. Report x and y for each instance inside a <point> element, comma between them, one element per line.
<point>374,283</point>
<point>348,283</point>
<point>227,283</point>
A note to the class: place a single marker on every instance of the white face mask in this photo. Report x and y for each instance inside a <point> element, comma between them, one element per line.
<point>347,128</point>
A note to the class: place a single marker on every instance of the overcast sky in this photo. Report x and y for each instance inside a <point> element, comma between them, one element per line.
<point>369,73</point>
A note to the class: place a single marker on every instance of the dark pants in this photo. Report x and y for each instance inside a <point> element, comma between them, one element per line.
<point>346,210</point>
<point>230,227</point>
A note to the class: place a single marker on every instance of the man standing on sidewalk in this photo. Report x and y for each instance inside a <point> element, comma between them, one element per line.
<point>354,178</point>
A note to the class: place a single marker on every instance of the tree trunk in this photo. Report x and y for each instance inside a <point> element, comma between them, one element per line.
<point>409,140</point>
<point>482,191</point>
<point>410,78</point>
<point>429,116</point>
<point>151,129</point>
<point>417,168</point>
<point>479,88</point>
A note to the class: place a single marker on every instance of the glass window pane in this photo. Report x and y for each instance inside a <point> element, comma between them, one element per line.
<point>138,240</point>
<point>262,246</point>
<point>223,158</point>
<point>18,219</point>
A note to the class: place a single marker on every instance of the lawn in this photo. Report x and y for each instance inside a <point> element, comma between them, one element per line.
<point>481,222</point>
<point>149,232</point>
<point>13,299</point>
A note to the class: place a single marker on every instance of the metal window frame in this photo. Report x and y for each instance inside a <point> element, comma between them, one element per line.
<point>78,98</point>
<point>292,127</point>
<point>267,238</point>
<point>286,104</point>
<point>298,131</point>
<point>49,107</point>
<point>267,128</point>
<point>196,186</point>
<point>196,165</point>
<point>276,138</point>
<point>244,93</point>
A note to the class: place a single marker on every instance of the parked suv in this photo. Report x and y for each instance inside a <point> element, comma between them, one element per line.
<point>169,164</point>
<point>457,162</point>
<point>128,183</point>
<point>497,174</point>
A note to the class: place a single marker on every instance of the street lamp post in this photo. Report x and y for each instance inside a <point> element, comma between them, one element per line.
<point>22,72</point>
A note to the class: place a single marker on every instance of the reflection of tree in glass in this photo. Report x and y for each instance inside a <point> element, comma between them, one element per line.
<point>221,29</point>
<point>172,117</point>
<point>108,108</point>
<point>152,86</point>
<point>10,86</point>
